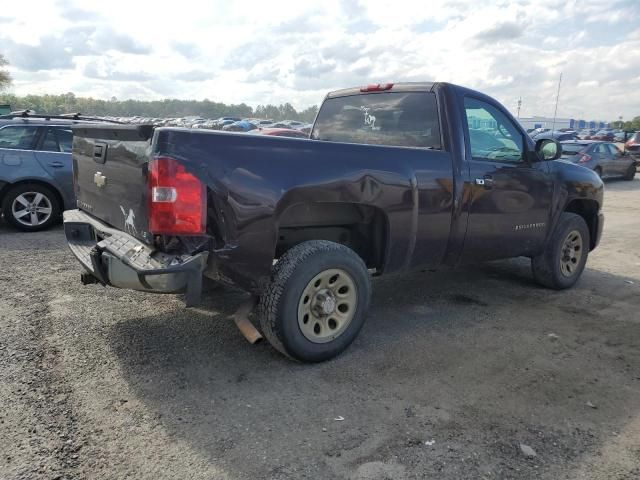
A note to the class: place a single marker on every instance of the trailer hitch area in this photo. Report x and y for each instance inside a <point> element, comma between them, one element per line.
<point>87,279</point>
<point>241,319</point>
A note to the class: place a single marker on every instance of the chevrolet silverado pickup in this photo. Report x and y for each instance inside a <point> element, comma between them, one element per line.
<point>394,177</point>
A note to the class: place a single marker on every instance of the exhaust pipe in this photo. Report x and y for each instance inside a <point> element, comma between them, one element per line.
<point>241,319</point>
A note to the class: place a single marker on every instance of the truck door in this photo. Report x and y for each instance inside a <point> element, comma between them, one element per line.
<point>509,196</point>
<point>54,154</point>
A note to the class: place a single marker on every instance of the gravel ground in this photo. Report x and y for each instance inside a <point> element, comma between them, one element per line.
<point>467,374</point>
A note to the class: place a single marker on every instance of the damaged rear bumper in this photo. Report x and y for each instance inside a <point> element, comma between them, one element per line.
<point>116,258</point>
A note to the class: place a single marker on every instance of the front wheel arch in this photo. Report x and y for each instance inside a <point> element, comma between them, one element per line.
<point>588,209</point>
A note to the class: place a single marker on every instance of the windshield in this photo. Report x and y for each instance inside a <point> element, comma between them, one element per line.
<point>407,119</point>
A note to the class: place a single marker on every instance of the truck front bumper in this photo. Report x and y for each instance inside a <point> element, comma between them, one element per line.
<point>115,258</point>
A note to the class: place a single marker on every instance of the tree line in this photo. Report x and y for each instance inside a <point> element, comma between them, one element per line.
<point>629,126</point>
<point>68,102</point>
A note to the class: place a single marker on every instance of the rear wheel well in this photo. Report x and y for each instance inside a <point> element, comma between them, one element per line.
<point>56,192</point>
<point>588,210</point>
<point>362,228</point>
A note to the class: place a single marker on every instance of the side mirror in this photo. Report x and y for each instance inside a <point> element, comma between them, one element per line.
<point>548,149</point>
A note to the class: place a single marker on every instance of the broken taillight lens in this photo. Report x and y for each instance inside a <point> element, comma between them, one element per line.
<point>177,199</point>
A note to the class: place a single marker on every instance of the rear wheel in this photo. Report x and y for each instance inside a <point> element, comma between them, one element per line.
<point>31,207</point>
<point>631,172</point>
<point>316,302</point>
<point>565,256</point>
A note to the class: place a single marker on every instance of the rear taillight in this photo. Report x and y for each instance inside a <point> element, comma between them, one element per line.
<point>377,87</point>
<point>177,199</point>
<point>584,159</point>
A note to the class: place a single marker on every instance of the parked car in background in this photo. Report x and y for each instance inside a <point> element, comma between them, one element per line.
<point>241,126</point>
<point>621,137</point>
<point>557,136</point>
<point>232,119</point>
<point>633,143</point>
<point>283,132</point>
<point>263,123</point>
<point>279,125</point>
<point>604,158</point>
<point>586,134</point>
<point>293,123</point>
<point>603,135</point>
<point>538,131</point>
<point>35,169</point>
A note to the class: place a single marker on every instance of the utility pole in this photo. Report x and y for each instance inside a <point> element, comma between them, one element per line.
<point>519,105</point>
<point>555,112</point>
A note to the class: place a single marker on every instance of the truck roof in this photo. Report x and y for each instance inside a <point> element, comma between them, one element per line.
<point>384,87</point>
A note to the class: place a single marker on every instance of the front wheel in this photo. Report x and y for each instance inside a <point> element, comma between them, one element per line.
<point>316,302</point>
<point>631,172</point>
<point>565,256</point>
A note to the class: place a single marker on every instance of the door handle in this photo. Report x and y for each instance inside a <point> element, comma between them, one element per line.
<point>486,182</point>
<point>56,164</point>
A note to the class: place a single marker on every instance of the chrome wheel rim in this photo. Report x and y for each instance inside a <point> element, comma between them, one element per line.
<point>31,209</point>
<point>327,305</point>
<point>571,254</point>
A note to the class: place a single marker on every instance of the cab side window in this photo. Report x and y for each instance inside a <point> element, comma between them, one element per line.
<point>18,137</point>
<point>492,136</point>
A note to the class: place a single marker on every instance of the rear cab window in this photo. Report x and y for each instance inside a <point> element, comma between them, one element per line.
<point>403,119</point>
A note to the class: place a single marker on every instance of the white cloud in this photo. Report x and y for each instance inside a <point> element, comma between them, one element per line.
<point>291,51</point>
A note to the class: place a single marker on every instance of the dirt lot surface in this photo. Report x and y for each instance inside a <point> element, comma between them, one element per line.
<point>468,374</point>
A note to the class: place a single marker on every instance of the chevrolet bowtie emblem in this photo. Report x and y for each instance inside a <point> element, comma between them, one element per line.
<point>99,179</point>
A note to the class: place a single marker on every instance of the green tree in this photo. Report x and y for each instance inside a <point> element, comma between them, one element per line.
<point>5,78</point>
<point>170,107</point>
<point>632,124</point>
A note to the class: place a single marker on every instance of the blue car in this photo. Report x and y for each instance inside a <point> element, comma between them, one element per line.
<point>35,169</point>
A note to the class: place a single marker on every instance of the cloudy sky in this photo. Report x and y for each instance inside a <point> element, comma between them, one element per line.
<point>273,51</point>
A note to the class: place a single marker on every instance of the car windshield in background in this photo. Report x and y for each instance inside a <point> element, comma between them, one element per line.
<point>405,119</point>
<point>572,149</point>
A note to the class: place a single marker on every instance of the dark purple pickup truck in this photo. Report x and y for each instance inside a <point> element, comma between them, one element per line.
<point>394,177</point>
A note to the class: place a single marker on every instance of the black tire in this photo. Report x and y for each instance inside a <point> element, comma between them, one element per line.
<point>279,304</point>
<point>598,171</point>
<point>631,172</point>
<point>26,189</point>
<point>547,267</point>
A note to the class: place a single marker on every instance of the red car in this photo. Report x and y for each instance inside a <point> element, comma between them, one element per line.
<point>603,135</point>
<point>283,132</point>
<point>633,144</point>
